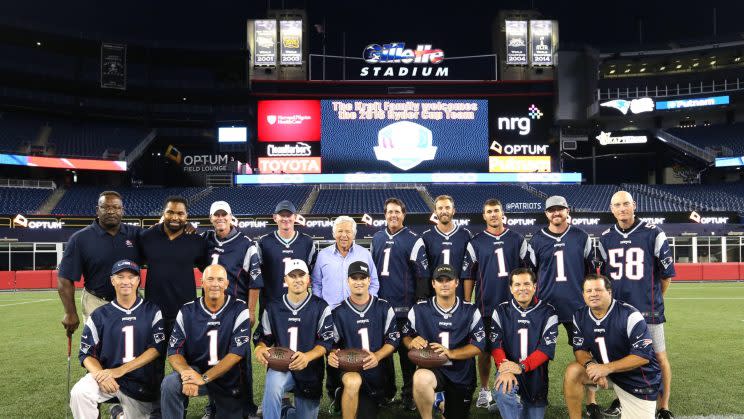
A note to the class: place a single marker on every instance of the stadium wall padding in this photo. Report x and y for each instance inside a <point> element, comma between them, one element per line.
<point>48,279</point>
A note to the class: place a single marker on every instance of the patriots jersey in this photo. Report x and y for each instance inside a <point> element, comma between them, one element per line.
<point>521,332</point>
<point>300,328</point>
<point>621,332</point>
<point>488,262</point>
<point>447,249</point>
<point>402,268</point>
<point>238,254</point>
<point>115,335</point>
<point>561,264</point>
<point>637,261</point>
<point>454,328</point>
<point>205,338</point>
<point>274,251</point>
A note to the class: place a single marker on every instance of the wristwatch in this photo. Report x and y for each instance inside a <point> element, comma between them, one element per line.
<point>522,367</point>
<point>205,377</point>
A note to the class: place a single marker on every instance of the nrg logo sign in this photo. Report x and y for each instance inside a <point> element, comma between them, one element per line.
<point>521,124</point>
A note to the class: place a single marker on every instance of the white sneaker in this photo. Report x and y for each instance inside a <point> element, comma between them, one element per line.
<point>484,398</point>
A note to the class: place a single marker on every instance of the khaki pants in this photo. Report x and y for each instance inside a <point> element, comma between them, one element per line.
<point>86,394</point>
<point>633,407</point>
<point>90,302</point>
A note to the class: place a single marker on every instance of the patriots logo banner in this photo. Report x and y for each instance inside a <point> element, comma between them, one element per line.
<point>173,341</point>
<point>159,337</point>
<point>241,340</point>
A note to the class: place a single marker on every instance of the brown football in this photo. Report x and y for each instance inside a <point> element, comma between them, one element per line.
<point>427,358</point>
<point>280,358</point>
<point>351,360</point>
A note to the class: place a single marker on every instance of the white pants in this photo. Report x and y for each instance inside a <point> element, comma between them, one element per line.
<point>85,396</point>
<point>632,406</point>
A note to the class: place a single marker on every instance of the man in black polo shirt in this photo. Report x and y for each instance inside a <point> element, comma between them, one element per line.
<point>171,256</point>
<point>90,253</point>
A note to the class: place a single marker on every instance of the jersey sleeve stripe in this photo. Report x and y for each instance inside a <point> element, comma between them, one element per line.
<point>412,318</point>
<point>266,323</point>
<point>661,239</point>
<point>390,317</point>
<point>476,319</point>
<point>416,248</point>
<point>587,247</point>
<point>326,313</point>
<point>633,320</point>
<point>93,330</point>
<point>552,321</point>
<point>158,317</point>
<point>496,318</point>
<point>179,322</point>
<point>242,317</point>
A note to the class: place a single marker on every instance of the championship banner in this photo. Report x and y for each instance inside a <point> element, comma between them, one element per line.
<point>541,42</point>
<point>113,66</point>
<point>516,42</point>
<point>290,32</point>
<point>264,48</point>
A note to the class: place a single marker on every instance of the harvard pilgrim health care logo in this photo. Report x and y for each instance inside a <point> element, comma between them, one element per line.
<point>405,145</point>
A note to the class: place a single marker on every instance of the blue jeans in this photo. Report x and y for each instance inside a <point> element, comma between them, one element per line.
<point>277,384</point>
<point>511,405</point>
<point>173,402</point>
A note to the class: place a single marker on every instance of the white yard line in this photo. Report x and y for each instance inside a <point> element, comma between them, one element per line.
<point>26,302</point>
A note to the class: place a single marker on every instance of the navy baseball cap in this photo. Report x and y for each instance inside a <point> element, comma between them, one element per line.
<point>123,265</point>
<point>446,271</point>
<point>359,267</point>
<point>285,206</point>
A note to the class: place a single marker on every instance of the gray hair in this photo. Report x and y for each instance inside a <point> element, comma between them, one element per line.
<point>344,219</point>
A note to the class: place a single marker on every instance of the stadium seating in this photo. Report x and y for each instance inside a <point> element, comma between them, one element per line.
<point>358,201</point>
<point>584,198</point>
<point>722,140</point>
<point>22,200</point>
<point>470,198</point>
<point>249,200</point>
<point>719,197</point>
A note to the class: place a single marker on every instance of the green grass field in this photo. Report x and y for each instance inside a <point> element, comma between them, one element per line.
<point>705,341</point>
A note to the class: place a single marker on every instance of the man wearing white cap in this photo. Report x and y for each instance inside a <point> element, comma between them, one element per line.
<point>238,254</point>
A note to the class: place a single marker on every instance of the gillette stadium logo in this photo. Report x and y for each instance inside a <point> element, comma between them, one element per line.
<point>396,53</point>
<point>405,145</point>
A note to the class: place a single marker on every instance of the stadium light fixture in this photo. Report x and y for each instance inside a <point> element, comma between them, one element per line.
<point>695,65</point>
<point>713,62</point>
<point>38,43</point>
<point>627,70</point>
<point>642,69</point>
<point>612,71</point>
<point>678,66</point>
<point>737,59</point>
<point>662,68</point>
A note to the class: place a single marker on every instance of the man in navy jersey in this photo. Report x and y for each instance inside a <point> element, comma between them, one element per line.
<point>522,338</point>
<point>364,321</point>
<point>613,349</point>
<point>453,328</point>
<point>119,343</point>
<point>446,243</point>
<point>400,257</point>
<point>301,322</point>
<point>280,246</point>
<point>638,259</point>
<point>491,255</point>
<point>210,338</point>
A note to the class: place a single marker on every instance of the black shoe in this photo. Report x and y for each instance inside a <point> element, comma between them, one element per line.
<point>593,411</point>
<point>614,410</point>
<point>409,404</point>
<point>116,411</point>
<point>664,414</point>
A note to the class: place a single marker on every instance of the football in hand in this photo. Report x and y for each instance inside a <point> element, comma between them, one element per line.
<point>427,358</point>
<point>280,358</point>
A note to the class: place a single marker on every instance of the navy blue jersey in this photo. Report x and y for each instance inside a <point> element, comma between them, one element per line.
<point>488,262</point>
<point>402,268</point>
<point>637,261</point>
<point>561,264</point>
<point>369,329</point>
<point>621,332</point>
<point>203,338</point>
<point>459,326</point>
<point>238,254</point>
<point>274,251</point>
<point>299,328</point>
<point>521,332</point>
<point>447,249</point>
<point>115,335</point>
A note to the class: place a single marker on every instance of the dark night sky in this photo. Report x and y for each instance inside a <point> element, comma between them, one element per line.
<point>462,27</point>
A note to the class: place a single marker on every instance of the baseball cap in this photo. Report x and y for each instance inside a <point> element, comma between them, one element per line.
<point>295,264</point>
<point>556,201</point>
<point>444,270</point>
<point>219,205</point>
<point>285,206</point>
<point>359,267</point>
<point>123,265</point>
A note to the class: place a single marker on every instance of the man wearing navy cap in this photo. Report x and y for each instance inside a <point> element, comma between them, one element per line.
<point>119,343</point>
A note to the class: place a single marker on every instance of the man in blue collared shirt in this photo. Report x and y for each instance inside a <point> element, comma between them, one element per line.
<point>329,274</point>
<point>329,280</point>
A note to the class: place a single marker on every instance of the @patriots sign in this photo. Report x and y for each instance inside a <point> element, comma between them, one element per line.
<point>635,106</point>
<point>405,145</point>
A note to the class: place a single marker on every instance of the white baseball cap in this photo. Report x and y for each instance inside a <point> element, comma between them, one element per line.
<point>219,205</point>
<point>295,264</point>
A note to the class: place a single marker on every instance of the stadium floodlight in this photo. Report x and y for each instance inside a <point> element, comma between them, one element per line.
<point>612,71</point>
<point>642,69</point>
<point>678,66</point>
<point>662,68</point>
<point>713,62</point>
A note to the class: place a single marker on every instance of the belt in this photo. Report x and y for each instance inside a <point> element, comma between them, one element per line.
<point>98,296</point>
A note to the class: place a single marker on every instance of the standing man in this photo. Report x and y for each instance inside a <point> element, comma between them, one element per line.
<point>210,337</point>
<point>301,322</point>
<point>613,349</point>
<point>453,328</point>
<point>119,343</point>
<point>638,259</point>
<point>400,257</point>
<point>90,253</point>
<point>522,337</point>
<point>280,246</point>
<point>238,254</point>
<point>446,243</point>
<point>491,255</point>
<point>365,322</point>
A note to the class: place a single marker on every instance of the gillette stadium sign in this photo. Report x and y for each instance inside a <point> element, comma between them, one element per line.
<point>395,60</point>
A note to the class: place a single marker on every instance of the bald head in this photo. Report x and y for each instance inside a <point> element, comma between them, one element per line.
<point>215,270</point>
<point>623,208</point>
<point>214,283</point>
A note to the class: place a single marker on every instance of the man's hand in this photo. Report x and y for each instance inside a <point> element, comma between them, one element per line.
<point>418,343</point>
<point>441,350</point>
<point>370,361</point>
<point>505,382</point>
<point>602,383</point>
<point>189,228</point>
<point>191,390</point>
<point>510,367</point>
<point>596,371</point>
<point>299,361</point>
<point>190,376</point>
<point>262,354</point>
<point>70,322</point>
<point>333,359</point>
<point>109,385</point>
